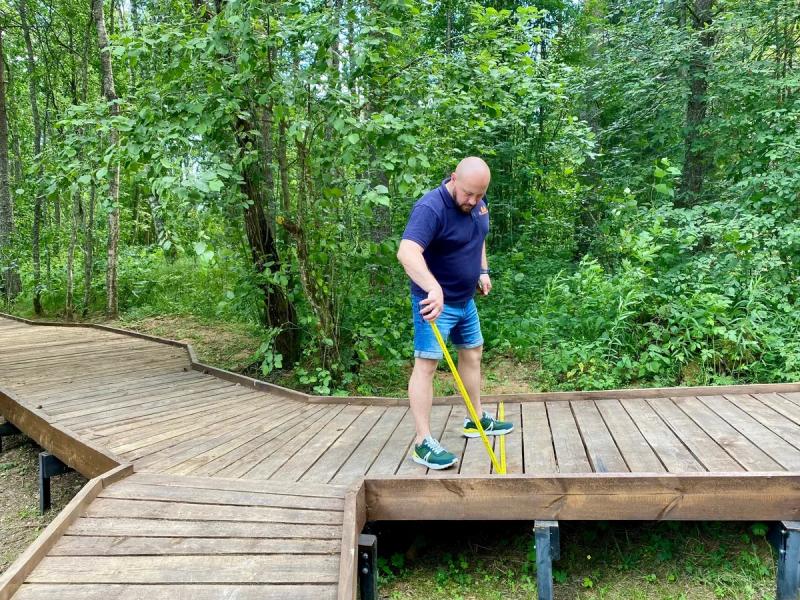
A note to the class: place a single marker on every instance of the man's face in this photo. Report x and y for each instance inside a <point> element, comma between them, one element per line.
<point>468,193</point>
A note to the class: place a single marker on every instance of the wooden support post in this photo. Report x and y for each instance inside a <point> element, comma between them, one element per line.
<point>548,542</point>
<point>368,566</point>
<point>786,539</point>
<point>49,466</point>
<point>7,429</point>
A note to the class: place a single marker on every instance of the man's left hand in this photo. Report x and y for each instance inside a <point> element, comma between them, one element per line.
<point>485,284</point>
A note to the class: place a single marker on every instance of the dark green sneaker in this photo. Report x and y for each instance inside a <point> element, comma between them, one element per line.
<point>491,426</point>
<point>431,454</point>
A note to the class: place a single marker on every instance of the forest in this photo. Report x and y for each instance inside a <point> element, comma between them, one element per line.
<point>255,162</point>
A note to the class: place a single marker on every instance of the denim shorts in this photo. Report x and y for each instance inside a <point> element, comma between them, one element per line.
<point>457,321</point>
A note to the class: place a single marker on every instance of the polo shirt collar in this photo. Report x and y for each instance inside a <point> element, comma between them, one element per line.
<point>446,197</point>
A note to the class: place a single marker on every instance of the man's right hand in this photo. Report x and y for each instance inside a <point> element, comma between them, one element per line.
<point>433,305</point>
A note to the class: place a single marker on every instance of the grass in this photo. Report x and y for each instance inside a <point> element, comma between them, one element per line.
<point>608,560</point>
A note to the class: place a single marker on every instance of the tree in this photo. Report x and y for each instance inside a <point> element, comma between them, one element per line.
<point>112,301</point>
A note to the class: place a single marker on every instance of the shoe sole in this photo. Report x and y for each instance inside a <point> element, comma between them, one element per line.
<point>499,432</point>
<point>433,466</point>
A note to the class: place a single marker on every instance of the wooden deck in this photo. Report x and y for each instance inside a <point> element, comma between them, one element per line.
<point>240,486</point>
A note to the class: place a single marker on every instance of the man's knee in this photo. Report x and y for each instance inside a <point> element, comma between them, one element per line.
<point>425,367</point>
<point>470,356</point>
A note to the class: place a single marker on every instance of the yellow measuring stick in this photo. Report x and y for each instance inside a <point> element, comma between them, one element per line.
<point>498,468</point>
<point>501,414</point>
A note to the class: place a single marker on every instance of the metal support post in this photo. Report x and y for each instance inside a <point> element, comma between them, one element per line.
<point>548,549</point>
<point>785,537</point>
<point>368,566</point>
<point>49,466</point>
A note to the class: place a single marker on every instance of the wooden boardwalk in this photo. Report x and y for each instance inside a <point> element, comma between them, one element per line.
<point>240,486</point>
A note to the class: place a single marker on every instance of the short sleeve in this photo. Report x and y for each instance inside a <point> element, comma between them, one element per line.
<point>423,224</point>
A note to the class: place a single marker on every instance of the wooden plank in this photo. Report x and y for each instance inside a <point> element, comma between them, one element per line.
<point>514,449</point>
<point>177,592</point>
<point>781,404</point>
<point>355,516</point>
<point>165,528</point>
<point>538,454</point>
<point>396,449</point>
<point>669,449</point>
<point>279,450</point>
<point>303,488</point>
<point>297,463</point>
<point>247,456</point>
<point>197,495</point>
<point>16,574</point>
<point>634,448</point>
<point>603,453</point>
<point>769,416</point>
<point>329,463</point>
<point>737,445</point>
<point>781,451</point>
<point>225,438</point>
<point>185,511</point>
<point>73,545</point>
<point>570,453</point>
<point>370,447</point>
<point>276,568</point>
<point>599,496</point>
<point>702,446</point>
<point>475,460</point>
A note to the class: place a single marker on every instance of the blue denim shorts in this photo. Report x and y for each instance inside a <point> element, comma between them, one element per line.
<point>458,321</point>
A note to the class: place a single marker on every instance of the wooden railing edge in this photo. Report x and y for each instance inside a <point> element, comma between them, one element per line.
<point>354,519</point>
<point>23,566</point>
<point>86,457</point>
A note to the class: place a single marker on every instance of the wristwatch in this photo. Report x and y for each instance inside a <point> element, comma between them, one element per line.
<point>485,271</point>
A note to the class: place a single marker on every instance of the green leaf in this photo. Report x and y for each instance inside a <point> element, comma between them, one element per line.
<point>84,179</point>
<point>353,138</point>
<point>663,188</point>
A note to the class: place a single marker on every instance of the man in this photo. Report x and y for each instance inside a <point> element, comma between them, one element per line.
<point>443,251</point>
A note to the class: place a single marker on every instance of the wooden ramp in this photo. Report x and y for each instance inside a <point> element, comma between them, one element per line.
<point>240,486</point>
<point>155,536</point>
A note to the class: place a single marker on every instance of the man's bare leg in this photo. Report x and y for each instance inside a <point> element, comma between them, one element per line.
<point>469,368</point>
<point>420,395</point>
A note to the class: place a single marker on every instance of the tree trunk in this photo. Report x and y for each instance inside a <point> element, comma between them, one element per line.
<point>10,284</point>
<point>696,155</point>
<point>110,94</point>
<point>69,308</point>
<point>278,311</point>
<point>37,148</point>
<point>88,250</point>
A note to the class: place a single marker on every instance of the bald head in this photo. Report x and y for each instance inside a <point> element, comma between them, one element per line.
<point>469,182</point>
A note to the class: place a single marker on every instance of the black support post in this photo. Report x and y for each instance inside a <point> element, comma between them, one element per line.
<point>786,539</point>
<point>548,549</point>
<point>49,466</point>
<point>368,566</point>
<point>7,429</point>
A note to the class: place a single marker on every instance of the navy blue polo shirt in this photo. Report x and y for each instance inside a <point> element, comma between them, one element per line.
<point>452,242</point>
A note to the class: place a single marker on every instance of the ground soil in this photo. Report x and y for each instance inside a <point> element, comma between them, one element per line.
<point>20,521</point>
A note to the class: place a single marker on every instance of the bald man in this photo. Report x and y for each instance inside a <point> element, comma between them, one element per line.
<point>443,250</point>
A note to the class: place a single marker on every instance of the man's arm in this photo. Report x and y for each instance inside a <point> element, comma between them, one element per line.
<point>410,256</point>
<point>485,282</point>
